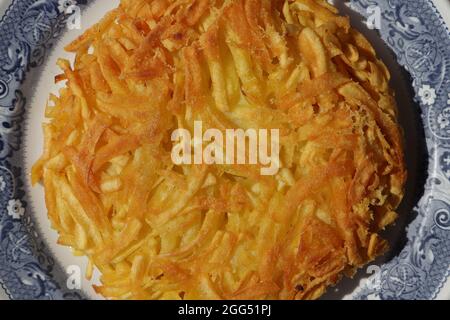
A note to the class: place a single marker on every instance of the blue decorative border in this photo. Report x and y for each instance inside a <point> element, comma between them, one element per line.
<point>420,39</point>
<point>28,31</point>
<point>413,29</point>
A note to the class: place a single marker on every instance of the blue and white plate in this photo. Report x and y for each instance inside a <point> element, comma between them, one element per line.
<point>413,41</point>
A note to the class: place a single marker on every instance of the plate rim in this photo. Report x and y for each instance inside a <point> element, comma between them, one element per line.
<point>35,266</point>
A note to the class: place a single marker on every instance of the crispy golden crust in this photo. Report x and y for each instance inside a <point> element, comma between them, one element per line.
<point>157,231</point>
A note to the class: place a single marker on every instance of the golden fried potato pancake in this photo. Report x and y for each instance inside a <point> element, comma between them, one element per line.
<point>156,230</point>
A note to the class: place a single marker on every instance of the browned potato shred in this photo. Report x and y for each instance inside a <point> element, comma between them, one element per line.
<point>159,231</point>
